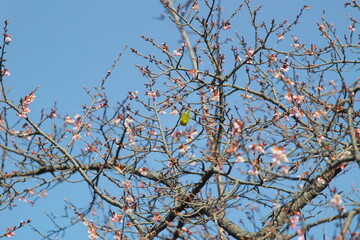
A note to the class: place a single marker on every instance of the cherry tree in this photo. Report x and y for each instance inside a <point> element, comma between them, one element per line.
<point>236,135</point>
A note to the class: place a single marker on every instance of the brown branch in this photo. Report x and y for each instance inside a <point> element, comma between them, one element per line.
<point>307,194</point>
<point>156,229</point>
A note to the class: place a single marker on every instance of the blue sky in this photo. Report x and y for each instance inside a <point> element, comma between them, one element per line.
<point>62,46</point>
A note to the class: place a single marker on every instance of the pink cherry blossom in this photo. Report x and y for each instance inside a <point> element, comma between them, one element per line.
<point>278,75</point>
<point>128,121</point>
<point>320,180</point>
<point>126,184</point>
<point>239,159</point>
<point>279,155</point>
<point>174,112</point>
<point>357,134</point>
<point>253,172</point>
<point>69,120</point>
<point>129,199</point>
<point>249,53</point>
<point>76,136</point>
<point>133,94</point>
<point>8,39</point>
<point>300,234</point>
<point>257,148</point>
<point>285,170</point>
<point>5,72</point>
<point>227,26</point>
<point>294,220</point>
<point>294,98</point>
<point>285,67</point>
<point>119,236</point>
<point>193,72</point>
<point>183,148</point>
<point>152,95</point>
<point>280,37</point>
<point>176,53</point>
<point>215,97</point>
<point>9,232</point>
<point>143,171</point>
<point>237,127</point>
<point>336,200</point>
<point>43,193</point>
<point>297,112</point>
<point>195,6</point>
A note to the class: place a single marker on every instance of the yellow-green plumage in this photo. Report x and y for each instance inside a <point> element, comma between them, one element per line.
<point>185,117</point>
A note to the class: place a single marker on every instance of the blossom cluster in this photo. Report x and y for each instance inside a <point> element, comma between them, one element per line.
<point>24,104</point>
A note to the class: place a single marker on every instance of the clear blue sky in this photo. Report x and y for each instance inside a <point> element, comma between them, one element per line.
<point>61,46</point>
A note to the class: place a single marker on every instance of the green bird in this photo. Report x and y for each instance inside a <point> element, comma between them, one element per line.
<point>185,117</point>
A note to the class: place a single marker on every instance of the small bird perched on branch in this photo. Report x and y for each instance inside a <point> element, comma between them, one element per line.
<point>185,117</point>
